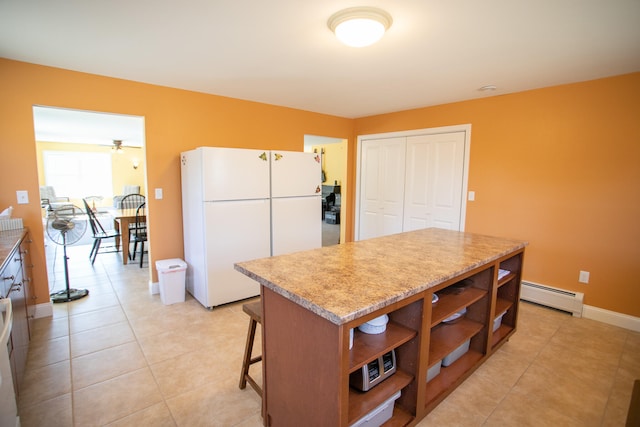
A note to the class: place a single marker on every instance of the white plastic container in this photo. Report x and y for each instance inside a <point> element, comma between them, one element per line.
<point>455,354</point>
<point>498,321</point>
<point>433,371</point>
<point>375,326</point>
<point>171,275</point>
<point>379,415</point>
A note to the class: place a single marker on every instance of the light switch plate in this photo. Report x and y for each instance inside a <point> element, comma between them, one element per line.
<point>472,196</point>
<point>158,193</point>
<point>23,197</point>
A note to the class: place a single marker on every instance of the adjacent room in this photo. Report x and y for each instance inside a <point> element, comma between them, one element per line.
<point>443,223</point>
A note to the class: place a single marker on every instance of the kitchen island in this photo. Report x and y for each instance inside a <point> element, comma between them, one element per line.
<point>312,300</point>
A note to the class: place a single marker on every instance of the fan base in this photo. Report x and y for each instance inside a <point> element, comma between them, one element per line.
<point>71,295</point>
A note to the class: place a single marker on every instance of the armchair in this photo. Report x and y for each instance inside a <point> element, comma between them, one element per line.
<point>49,199</point>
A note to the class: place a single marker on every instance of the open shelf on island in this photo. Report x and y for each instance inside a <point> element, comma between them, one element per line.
<point>446,338</point>
<point>450,303</point>
<point>363,402</point>
<point>368,347</point>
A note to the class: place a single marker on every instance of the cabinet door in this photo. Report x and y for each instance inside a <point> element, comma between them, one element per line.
<point>434,181</point>
<point>381,187</point>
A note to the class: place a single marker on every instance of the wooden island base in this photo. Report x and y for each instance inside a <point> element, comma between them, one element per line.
<point>311,300</point>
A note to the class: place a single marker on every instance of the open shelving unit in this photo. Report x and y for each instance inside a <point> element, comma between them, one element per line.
<point>418,333</point>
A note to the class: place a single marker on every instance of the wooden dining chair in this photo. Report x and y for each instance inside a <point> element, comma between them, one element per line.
<point>99,233</point>
<point>140,232</point>
<point>130,202</point>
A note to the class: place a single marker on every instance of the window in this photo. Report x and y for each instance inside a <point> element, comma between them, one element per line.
<point>78,174</point>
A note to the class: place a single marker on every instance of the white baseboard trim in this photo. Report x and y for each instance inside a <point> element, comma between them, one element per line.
<point>43,310</point>
<point>611,317</point>
<point>154,288</point>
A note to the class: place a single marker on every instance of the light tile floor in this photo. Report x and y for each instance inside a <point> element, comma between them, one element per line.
<point>119,357</point>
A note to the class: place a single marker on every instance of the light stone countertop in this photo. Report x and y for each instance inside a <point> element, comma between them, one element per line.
<point>344,282</point>
<point>8,241</point>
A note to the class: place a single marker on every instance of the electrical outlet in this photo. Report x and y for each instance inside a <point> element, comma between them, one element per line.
<point>584,277</point>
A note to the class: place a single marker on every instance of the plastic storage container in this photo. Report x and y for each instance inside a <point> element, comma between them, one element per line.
<point>171,275</point>
<point>498,321</point>
<point>379,415</point>
<point>455,354</point>
<point>433,371</point>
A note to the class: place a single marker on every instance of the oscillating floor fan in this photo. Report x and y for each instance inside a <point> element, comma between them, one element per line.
<point>65,226</point>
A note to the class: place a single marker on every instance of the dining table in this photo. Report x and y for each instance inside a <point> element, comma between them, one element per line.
<point>122,222</point>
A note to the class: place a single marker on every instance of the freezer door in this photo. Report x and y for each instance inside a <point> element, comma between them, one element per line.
<point>295,174</point>
<point>296,224</point>
<point>236,231</point>
<point>234,173</point>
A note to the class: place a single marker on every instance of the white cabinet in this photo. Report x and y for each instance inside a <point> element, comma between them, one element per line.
<point>412,182</point>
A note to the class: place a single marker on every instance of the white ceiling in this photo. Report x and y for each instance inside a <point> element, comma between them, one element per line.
<point>281,51</point>
<point>87,127</point>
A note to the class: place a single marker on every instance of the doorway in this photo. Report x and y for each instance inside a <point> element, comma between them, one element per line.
<point>333,152</point>
<point>85,155</point>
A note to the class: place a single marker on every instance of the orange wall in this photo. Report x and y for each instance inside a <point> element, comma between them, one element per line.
<point>175,121</point>
<point>560,168</point>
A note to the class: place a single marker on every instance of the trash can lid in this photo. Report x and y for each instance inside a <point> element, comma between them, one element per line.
<point>170,264</point>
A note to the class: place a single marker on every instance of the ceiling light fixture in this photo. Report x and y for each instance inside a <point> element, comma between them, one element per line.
<point>488,88</point>
<point>360,26</point>
<point>117,146</point>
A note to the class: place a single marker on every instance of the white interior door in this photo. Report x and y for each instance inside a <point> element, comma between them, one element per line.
<point>381,187</point>
<point>434,181</point>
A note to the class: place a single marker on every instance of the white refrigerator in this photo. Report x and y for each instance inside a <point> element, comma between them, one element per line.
<point>229,215</point>
<point>296,202</point>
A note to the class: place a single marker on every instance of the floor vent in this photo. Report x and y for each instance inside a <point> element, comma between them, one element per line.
<point>553,297</point>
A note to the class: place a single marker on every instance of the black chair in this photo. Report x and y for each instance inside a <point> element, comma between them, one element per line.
<point>140,231</point>
<point>99,233</point>
<point>130,202</point>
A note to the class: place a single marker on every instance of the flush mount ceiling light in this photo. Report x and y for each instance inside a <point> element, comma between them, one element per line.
<point>360,26</point>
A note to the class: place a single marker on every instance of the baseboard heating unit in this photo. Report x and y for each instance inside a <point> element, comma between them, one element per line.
<point>552,297</point>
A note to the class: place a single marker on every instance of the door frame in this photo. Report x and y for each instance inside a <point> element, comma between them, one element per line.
<point>466,128</point>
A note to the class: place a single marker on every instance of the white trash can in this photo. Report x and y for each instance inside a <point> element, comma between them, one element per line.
<point>172,278</point>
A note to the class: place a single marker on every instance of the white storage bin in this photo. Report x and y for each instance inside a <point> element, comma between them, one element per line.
<point>498,321</point>
<point>379,415</point>
<point>433,371</point>
<point>455,354</point>
<point>375,326</point>
<point>171,275</point>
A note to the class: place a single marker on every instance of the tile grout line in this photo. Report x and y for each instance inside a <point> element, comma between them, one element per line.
<point>148,365</point>
<point>537,354</point>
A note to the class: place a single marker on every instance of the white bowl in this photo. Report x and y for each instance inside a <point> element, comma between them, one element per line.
<point>375,326</point>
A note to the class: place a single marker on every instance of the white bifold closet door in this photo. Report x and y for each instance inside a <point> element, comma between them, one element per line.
<point>381,187</point>
<point>433,181</point>
<point>411,182</point>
